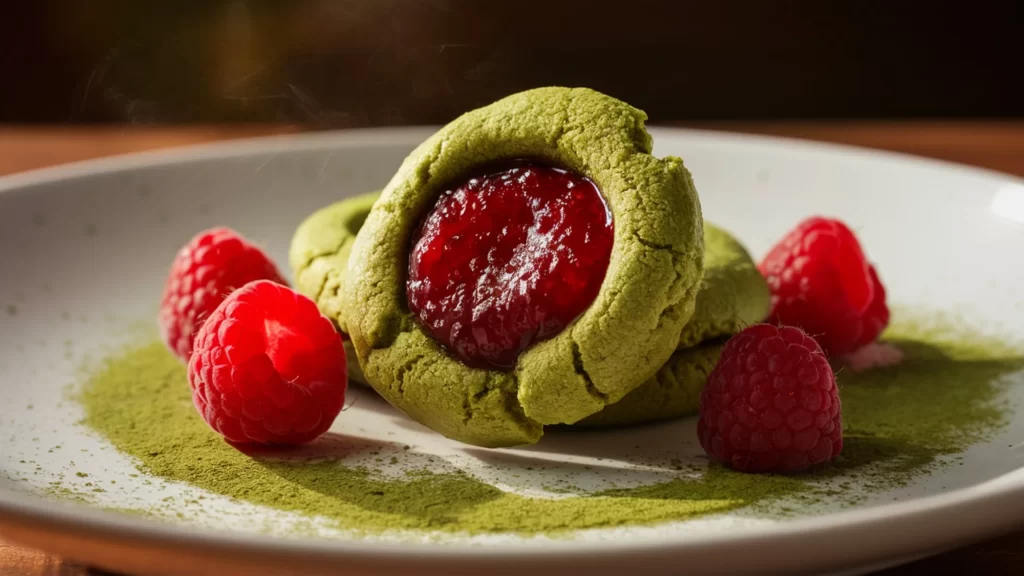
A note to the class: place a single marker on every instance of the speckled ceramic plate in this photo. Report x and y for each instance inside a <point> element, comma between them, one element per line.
<point>84,250</point>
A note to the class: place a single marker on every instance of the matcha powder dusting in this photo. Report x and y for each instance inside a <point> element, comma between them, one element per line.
<point>900,422</point>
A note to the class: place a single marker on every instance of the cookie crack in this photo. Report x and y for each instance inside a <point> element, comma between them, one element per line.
<point>406,368</point>
<point>577,364</point>
<point>562,131</point>
<point>509,401</point>
<point>658,246</point>
<point>320,288</point>
<point>567,130</point>
<point>471,398</point>
<point>325,253</point>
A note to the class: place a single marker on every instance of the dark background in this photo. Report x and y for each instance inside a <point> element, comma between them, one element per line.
<point>341,63</point>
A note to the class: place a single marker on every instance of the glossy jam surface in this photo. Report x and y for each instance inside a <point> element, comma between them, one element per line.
<point>508,258</point>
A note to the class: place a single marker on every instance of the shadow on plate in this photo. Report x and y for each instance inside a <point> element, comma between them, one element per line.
<point>330,446</point>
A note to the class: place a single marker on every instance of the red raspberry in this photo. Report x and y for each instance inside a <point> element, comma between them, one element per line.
<point>206,270</point>
<point>822,282</point>
<point>268,367</point>
<point>771,404</point>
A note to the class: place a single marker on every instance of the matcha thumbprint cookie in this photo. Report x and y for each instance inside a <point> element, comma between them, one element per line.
<point>529,264</point>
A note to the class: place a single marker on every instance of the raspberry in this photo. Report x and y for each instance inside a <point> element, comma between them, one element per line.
<point>822,282</point>
<point>507,259</point>
<point>268,367</point>
<point>206,270</point>
<point>771,404</point>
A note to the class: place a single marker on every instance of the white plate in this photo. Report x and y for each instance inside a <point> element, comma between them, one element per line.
<point>83,253</point>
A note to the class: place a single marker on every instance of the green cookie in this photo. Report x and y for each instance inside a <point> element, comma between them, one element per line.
<point>630,329</point>
<point>733,293</point>
<point>319,251</point>
<point>318,257</point>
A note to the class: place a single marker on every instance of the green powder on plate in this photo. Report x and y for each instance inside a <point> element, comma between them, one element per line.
<point>899,423</point>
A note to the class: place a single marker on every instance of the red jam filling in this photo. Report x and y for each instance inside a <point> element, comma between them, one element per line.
<point>507,259</point>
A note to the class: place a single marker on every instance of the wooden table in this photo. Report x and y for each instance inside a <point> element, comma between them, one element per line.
<point>994,145</point>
